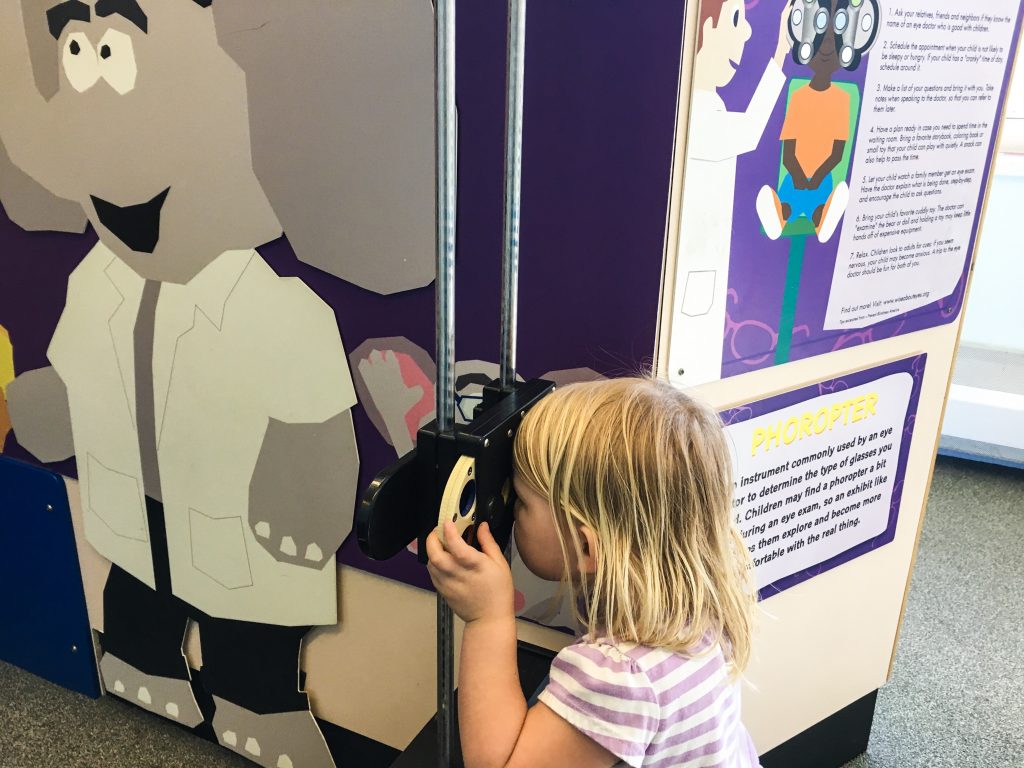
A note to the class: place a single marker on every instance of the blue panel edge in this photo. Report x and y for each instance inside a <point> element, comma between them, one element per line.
<point>46,628</point>
<point>980,458</point>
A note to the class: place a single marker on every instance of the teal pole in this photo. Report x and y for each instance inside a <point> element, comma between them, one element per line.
<point>797,245</point>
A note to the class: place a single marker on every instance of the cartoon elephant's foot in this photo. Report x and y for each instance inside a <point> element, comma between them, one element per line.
<point>278,740</point>
<point>165,696</point>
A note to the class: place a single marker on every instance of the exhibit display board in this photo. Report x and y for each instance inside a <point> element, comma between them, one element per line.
<point>833,176</point>
<point>817,264</point>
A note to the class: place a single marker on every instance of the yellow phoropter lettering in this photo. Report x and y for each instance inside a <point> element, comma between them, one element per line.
<point>810,423</point>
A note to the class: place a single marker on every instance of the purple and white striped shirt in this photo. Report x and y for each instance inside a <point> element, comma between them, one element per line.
<point>652,707</point>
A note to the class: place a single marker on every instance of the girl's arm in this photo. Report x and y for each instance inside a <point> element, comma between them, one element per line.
<point>492,709</point>
<point>496,729</point>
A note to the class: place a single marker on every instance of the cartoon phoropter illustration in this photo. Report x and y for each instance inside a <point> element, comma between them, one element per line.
<point>206,399</point>
<point>821,118</point>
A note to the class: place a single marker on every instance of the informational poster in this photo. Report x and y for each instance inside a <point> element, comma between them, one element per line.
<point>837,156</point>
<point>819,471</point>
<point>916,179</point>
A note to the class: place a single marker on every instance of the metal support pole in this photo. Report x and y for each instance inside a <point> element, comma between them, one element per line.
<point>444,70</point>
<point>513,184</point>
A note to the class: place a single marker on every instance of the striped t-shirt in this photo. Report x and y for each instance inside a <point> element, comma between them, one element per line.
<point>651,707</point>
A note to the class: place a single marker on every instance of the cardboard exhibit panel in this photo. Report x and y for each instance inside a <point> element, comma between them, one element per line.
<point>193,374</point>
<point>834,178</point>
<point>836,624</point>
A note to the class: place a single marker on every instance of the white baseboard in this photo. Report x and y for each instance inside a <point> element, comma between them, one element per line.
<point>984,423</point>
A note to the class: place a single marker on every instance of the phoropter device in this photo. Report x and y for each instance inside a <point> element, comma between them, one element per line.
<point>459,473</point>
<point>853,23</point>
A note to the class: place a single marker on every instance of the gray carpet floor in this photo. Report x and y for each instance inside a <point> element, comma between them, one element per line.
<point>957,697</point>
<point>957,693</point>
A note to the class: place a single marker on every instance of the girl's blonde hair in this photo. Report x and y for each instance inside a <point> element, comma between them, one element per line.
<point>648,469</point>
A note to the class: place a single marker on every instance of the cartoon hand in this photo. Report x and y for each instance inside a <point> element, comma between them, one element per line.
<point>297,544</point>
<point>393,398</point>
<point>303,490</point>
<point>785,44</point>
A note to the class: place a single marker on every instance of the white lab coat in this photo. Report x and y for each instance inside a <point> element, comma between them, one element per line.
<point>716,138</point>
<point>234,347</point>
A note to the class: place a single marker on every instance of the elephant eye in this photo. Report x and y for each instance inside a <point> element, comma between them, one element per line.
<point>117,61</point>
<point>81,67</point>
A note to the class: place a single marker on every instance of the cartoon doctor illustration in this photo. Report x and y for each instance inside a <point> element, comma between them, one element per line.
<point>206,398</point>
<point>716,138</point>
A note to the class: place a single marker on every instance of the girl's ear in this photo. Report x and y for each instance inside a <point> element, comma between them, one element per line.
<point>589,544</point>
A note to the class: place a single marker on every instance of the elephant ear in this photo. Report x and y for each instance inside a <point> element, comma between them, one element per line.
<point>32,207</point>
<point>24,199</point>
<point>341,106</point>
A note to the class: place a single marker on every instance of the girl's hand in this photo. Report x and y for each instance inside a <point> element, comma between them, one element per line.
<point>477,585</point>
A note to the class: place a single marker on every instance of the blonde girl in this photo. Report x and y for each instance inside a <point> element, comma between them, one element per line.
<point>624,493</point>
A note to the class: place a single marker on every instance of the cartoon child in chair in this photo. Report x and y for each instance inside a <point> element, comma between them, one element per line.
<point>827,35</point>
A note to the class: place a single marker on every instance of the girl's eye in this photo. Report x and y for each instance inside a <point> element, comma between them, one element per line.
<point>736,18</point>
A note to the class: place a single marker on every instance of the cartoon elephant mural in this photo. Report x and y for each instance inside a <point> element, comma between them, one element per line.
<point>206,399</point>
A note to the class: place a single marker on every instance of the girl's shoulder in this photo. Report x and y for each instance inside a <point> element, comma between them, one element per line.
<point>624,695</point>
<point>656,667</point>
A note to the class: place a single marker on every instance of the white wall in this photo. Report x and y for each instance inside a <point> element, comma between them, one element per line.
<point>985,414</point>
<point>992,320</point>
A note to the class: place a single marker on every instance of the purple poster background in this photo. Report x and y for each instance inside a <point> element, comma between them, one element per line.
<point>600,104</point>
<point>758,265</point>
<point>912,365</point>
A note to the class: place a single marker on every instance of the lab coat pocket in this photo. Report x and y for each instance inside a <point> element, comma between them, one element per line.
<point>699,293</point>
<point>116,499</point>
<point>219,549</point>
